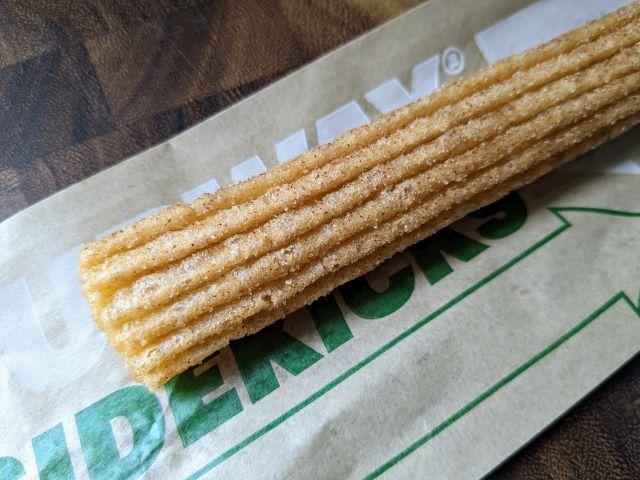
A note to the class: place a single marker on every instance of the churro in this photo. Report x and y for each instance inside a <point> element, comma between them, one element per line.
<point>175,287</point>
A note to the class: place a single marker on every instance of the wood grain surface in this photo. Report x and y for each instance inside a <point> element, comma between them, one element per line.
<point>84,84</point>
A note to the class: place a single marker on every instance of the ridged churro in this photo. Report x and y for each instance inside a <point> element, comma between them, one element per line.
<point>175,287</point>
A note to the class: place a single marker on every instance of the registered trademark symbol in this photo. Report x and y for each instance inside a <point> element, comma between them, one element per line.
<point>452,61</point>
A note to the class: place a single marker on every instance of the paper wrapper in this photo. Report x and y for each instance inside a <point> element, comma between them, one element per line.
<point>440,364</point>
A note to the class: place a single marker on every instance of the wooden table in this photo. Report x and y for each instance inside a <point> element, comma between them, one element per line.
<point>86,84</point>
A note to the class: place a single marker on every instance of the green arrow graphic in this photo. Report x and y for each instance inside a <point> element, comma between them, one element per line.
<point>563,214</point>
<point>633,263</point>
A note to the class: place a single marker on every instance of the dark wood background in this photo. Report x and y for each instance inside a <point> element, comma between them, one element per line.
<point>84,84</point>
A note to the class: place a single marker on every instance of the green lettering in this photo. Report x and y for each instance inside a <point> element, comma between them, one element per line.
<point>367,303</point>
<point>52,455</point>
<point>429,258</point>
<point>11,468</point>
<point>193,417</point>
<point>254,353</point>
<point>330,322</point>
<point>143,411</point>
<point>509,214</point>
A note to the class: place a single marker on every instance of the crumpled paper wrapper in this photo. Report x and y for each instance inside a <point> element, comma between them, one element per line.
<point>440,364</point>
